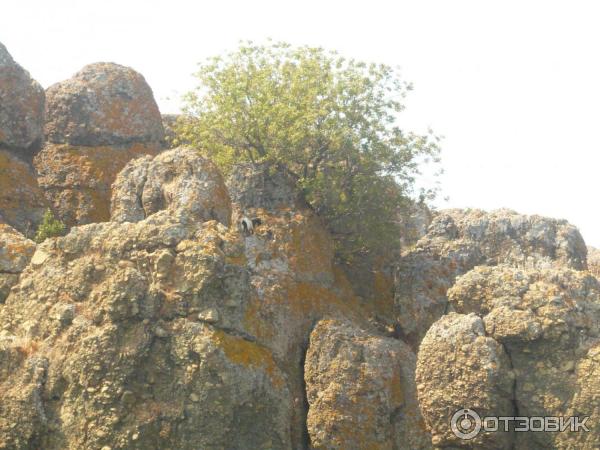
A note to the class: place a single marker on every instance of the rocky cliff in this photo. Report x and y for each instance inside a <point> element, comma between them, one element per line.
<point>158,322</point>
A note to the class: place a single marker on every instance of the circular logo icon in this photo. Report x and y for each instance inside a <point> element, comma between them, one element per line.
<point>465,424</point>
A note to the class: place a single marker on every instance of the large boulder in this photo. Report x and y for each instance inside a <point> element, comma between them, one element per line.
<point>96,122</point>
<point>114,350</point>
<point>179,180</point>
<point>15,253</point>
<point>361,391</point>
<point>22,202</point>
<point>21,105</point>
<point>524,342</point>
<point>458,240</point>
<point>103,104</point>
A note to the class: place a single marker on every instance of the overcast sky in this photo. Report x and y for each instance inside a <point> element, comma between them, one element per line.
<point>514,86</point>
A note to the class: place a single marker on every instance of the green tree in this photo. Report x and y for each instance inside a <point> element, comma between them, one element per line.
<point>331,121</point>
<point>50,227</point>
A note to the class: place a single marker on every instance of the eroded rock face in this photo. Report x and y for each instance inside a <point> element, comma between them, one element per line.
<point>171,330</point>
<point>96,122</point>
<point>77,180</point>
<point>458,240</point>
<point>21,105</point>
<point>22,202</point>
<point>525,342</point>
<point>103,104</point>
<point>112,352</point>
<point>179,180</point>
<point>15,252</point>
<point>361,391</point>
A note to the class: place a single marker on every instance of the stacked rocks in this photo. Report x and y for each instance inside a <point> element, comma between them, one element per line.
<point>22,203</point>
<point>96,122</point>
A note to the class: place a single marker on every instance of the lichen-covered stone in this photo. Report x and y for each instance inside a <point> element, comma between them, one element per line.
<point>123,360</point>
<point>21,105</point>
<point>179,180</point>
<point>77,180</point>
<point>22,202</point>
<point>458,240</point>
<point>15,253</point>
<point>103,104</point>
<point>361,392</point>
<point>543,326</point>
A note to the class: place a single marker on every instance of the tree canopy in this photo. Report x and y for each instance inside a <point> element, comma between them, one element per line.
<point>330,120</point>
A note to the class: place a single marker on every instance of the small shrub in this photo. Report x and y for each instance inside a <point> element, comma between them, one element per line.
<point>50,227</point>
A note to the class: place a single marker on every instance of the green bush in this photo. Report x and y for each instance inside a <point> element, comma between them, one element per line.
<point>50,227</point>
<point>331,121</point>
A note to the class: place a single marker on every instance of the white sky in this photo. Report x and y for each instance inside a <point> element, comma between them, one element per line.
<point>514,86</point>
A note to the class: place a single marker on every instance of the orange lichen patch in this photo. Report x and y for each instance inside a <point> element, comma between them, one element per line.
<point>248,354</point>
<point>18,187</point>
<point>26,347</point>
<point>255,323</point>
<point>311,248</point>
<point>78,180</point>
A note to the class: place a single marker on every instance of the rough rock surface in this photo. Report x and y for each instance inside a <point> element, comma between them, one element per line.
<point>15,252</point>
<point>179,180</point>
<point>524,342</point>
<point>458,240</point>
<point>21,105</point>
<point>174,331</point>
<point>77,180</point>
<point>22,202</point>
<point>96,122</point>
<point>594,261</point>
<point>361,391</point>
<point>103,104</point>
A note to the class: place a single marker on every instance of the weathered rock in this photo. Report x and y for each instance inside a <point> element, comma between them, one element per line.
<point>460,367</point>
<point>21,105</point>
<point>536,330</point>
<point>459,240</point>
<point>361,391</point>
<point>103,104</point>
<point>594,261</point>
<point>121,360</point>
<point>179,180</point>
<point>77,180</point>
<point>97,121</point>
<point>15,253</point>
<point>414,222</point>
<point>22,202</point>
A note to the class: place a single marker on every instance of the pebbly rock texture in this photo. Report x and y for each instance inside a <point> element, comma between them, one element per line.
<point>15,253</point>
<point>524,342</point>
<point>361,391</point>
<point>112,353</point>
<point>22,202</point>
<point>458,240</point>
<point>96,122</point>
<point>173,331</point>
<point>290,259</point>
<point>179,180</point>
<point>103,104</point>
<point>594,261</point>
<point>21,105</point>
